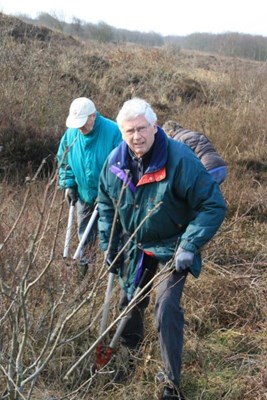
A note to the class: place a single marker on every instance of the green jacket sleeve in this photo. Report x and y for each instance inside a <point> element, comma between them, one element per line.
<point>109,229</point>
<point>66,176</point>
<point>204,196</point>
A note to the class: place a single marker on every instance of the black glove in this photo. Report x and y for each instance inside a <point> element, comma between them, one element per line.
<point>71,195</point>
<point>118,263</point>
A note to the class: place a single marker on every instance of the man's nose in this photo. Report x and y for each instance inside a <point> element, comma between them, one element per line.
<point>136,134</point>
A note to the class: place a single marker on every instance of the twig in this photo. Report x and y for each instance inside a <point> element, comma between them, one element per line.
<point>13,383</point>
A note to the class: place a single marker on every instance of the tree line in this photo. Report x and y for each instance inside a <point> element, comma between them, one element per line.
<point>228,44</point>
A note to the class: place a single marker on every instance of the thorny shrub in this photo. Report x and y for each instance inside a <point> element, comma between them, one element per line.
<point>49,317</point>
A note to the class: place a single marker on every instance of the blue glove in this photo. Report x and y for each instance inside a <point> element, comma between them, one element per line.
<point>183,259</point>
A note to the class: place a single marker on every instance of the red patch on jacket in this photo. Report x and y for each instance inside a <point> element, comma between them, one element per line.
<point>153,177</point>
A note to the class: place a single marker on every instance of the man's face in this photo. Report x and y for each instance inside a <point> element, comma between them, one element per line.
<point>88,126</point>
<point>139,135</point>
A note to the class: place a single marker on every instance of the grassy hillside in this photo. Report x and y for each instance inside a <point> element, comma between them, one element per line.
<point>48,316</point>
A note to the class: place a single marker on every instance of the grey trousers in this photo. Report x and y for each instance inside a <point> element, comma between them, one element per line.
<point>169,318</point>
<point>170,323</point>
<point>84,212</point>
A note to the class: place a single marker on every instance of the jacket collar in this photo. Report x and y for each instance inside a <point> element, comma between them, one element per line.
<point>120,157</point>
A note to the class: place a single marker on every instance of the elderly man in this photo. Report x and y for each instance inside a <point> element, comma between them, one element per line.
<point>83,149</point>
<point>157,171</point>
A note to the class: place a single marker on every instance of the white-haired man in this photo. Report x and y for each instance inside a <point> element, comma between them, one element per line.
<point>163,175</point>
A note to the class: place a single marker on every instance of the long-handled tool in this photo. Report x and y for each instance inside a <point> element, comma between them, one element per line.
<point>167,269</point>
<point>86,233</point>
<point>104,320</point>
<point>102,358</point>
<point>69,228</point>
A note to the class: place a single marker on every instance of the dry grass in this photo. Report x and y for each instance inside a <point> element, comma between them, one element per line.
<point>225,337</point>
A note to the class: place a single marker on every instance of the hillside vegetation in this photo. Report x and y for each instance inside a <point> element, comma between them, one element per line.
<point>49,317</point>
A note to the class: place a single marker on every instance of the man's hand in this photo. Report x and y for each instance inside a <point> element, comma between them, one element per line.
<point>183,259</point>
<point>118,263</point>
<point>71,195</point>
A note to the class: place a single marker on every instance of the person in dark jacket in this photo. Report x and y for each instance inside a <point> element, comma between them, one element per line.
<point>202,147</point>
<point>83,149</point>
<point>165,178</point>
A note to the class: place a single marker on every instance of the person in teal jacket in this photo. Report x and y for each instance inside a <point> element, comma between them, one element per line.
<point>83,149</point>
<point>165,178</point>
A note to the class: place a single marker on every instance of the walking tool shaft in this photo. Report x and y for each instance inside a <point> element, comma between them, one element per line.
<point>69,228</point>
<point>86,233</point>
<point>102,358</point>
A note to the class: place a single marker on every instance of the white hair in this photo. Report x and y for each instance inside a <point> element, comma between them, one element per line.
<point>135,107</point>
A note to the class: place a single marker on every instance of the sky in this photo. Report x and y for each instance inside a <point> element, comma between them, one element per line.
<point>170,17</point>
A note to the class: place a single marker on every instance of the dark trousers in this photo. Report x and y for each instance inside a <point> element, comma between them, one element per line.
<point>170,323</point>
<point>169,318</point>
